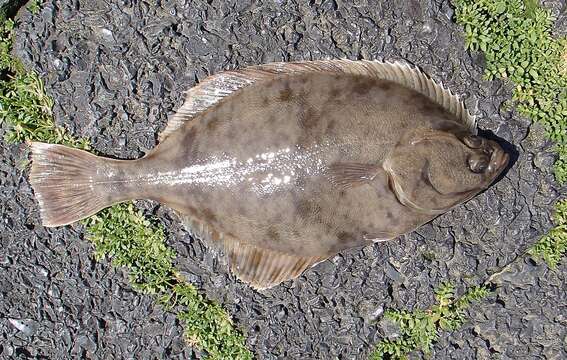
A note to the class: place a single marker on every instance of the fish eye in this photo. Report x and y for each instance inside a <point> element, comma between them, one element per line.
<point>472,141</point>
<point>478,163</point>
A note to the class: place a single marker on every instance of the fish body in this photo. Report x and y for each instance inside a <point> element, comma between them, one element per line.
<point>284,165</point>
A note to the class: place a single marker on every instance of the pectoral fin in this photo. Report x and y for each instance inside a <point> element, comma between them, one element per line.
<point>351,174</point>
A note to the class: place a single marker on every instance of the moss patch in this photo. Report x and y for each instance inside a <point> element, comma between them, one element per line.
<point>515,37</point>
<point>419,329</point>
<point>553,245</point>
<point>138,244</point>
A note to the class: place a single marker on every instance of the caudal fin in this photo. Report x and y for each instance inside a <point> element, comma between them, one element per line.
<point>66,183</point>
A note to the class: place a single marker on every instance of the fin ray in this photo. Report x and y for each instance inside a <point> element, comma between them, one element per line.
<point>351,174</point>
<point>64,181</point>
<point>264,268</point>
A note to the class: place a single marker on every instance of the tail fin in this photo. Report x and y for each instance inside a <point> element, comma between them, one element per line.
<point>66,183</point>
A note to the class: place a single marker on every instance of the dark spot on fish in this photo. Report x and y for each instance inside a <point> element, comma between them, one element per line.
<point>363,86</point>
<point>231,104</point>
<point>385,85</point>
<point>435,201</point>
<point>242,210</point>
<point>342,193</point>
<point>271,84</point>
<point>273,234</point>
<point>344,236</point>
<point>191,210</point>
<point>208,216</point>
<point>265,101</point>
<point>331,127</point>
<point>117,189</point>
<point>424,104</point>
<point>334,93</point>
<point>212,123</point>
<point>308,117</point>
<point>232,257</point>
<point>188,139</point>
<point>429,107</point>
<point>187,144</point>
<point>303,209</point>
<point>232,132</point>
<point>285,95</point>
<point>215,235</point>
<point>393,220</point>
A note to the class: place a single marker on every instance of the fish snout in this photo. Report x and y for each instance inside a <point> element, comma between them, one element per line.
<point>498,157</point>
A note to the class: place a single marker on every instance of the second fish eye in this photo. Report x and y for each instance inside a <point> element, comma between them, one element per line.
<point>472,141</point>
<point>478,164</point>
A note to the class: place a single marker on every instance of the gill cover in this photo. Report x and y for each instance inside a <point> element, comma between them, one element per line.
<point>432,172</point>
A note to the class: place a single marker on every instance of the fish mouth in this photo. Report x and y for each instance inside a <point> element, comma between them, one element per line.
<point>498,160</point>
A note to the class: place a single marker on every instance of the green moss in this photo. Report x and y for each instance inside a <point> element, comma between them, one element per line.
<point>553,245</point>
<point>133,242</point>
<point>120,232</point>
<point>201,318</point>
<point>420,329</point>
<point>515,36</point>
<point>138,244</point>
<point>24,105</point>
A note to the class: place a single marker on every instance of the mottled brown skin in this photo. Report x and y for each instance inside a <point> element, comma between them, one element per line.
<point>409,149</point>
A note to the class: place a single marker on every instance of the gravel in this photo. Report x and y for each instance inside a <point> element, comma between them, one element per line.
<point>117,68</point>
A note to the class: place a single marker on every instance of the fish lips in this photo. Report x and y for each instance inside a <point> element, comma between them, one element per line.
<point>498,160</point>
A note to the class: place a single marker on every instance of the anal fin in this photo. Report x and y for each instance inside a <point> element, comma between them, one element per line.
<point>259,267</point>
<point>264,268</point>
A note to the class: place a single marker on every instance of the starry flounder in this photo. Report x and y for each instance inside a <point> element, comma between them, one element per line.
<point>286,164</point>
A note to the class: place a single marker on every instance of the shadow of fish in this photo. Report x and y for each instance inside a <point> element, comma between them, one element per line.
<point>286,164</point>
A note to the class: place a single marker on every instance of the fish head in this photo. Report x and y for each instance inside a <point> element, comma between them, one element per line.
<point>435,170</point>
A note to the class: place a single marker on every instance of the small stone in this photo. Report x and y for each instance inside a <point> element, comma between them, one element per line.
<point>369,311</point>
<point>7,350</point>
<point>25,326</point>
<point>388,329</point>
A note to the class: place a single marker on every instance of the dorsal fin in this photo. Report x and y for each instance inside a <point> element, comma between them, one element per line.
<point>217,87</point>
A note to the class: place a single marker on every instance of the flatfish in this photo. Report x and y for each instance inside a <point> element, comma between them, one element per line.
<point>284,165</point>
